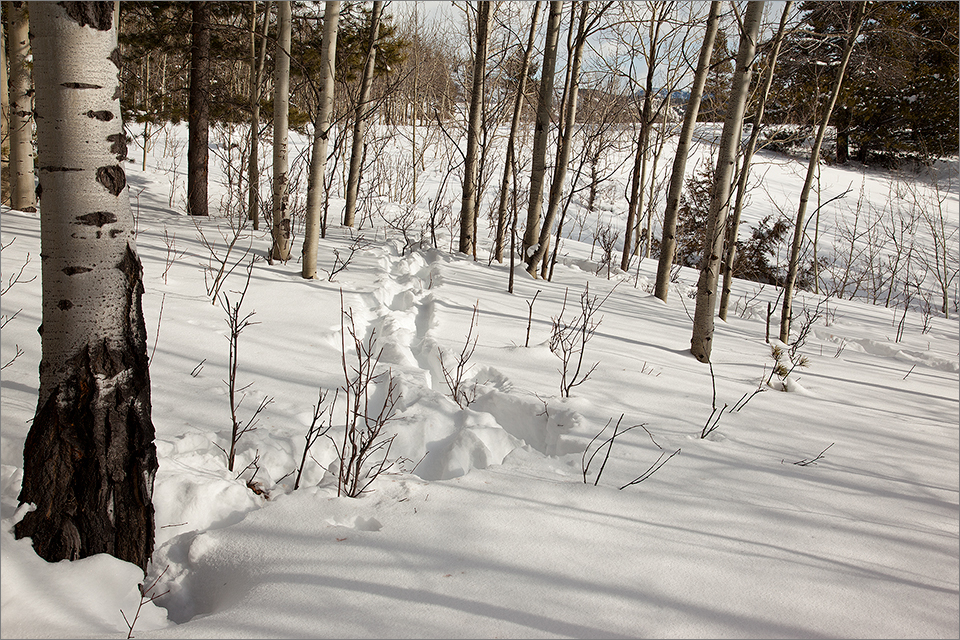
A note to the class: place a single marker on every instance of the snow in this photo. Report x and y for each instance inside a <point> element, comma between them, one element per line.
<point>484,526</point>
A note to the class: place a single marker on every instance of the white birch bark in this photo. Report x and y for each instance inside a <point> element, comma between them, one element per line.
<point>321,135</point>
<point>282,231</point>
<point>89,458</point>
<point>23,195</point>
<point>701,342</point>
<point>469,193</point>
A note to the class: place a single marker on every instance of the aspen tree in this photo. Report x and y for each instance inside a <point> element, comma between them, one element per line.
<point>23,194</point>
<point>321,135</point>
<point>468,200</point>
<point>282,225</point>
<point>701,342</point>
<point>89,457</point>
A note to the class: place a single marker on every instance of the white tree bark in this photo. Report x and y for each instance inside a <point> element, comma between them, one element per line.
<point>321,135</point>
<point>668,240</point>
<point>23,195</point>
<point>282,231</point>
<point>701,342</point>
<point>256,75</point>
<point>362,112</point>
<point>541,131</point>
<point>89,458</point>
<point>469,193</point>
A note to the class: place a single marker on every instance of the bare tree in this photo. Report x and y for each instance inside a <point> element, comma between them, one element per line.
<point>257,60</point>
<point>798,231</point>
<point>508,175</point>
<point>22,186</point>
<point>701,342</point>
<point>668,242</point>
<point>321,135</point>
<point>468,225</point>
<point>361,113</point>
<point>89,457</point>
<point>282,229</point>
<point>541,130</point>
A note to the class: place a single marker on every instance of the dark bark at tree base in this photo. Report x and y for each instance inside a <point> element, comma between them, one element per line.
<point>90,459</point>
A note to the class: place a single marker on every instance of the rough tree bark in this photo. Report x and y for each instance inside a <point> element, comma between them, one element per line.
<point>701,342</point>
<point>757,120</point>
<point>199,108</point>
<point>467,223</point>
<point>23,194</point>
<point>668,240</point>
<point>361,113</point>
<point>89,458</point>
<point>541,131</point>
<point>786,312</point>
<point>282,230</point>
<point>321,135</point>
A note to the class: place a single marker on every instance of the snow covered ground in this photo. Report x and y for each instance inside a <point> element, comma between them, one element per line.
<point>483,526</point>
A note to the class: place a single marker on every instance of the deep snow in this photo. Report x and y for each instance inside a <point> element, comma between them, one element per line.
<point>483,526</point>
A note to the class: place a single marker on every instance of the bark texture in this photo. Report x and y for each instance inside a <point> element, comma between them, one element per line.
<point>282,232</point>
<point>22,178</point>
<point>468,230</point>
<point>89,458</point>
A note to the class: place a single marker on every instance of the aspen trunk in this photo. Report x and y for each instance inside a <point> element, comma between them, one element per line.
<point>563,155</point>
<point>668,241</point>
<point>361,114</point>
<point>701,342</point>
<point>23,193</point>
<point>256,75</point>
<point>282,225</point>
<point>512,139</point>
<point>89,458</point>
<point>544,106</point>
<point>787,310</point>
<point>321,135</point>
<point>467,223</point>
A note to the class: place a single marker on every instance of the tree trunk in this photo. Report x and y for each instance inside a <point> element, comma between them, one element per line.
<point>734,226</point>
<point>4,119</point>
<point>282,230</point>
<point>512,139</point>
<point>786,312</point>
<point>89,458</point>
<point>23,193</point>
<point>668,241</point>
<point>361,114</point>
<point>544,106</point>
<point>256,75</point>
<point>197,146</point>
<point>701,342</point>
<point>468,229</point>
<point>563,155</point>
<point>321,135</point>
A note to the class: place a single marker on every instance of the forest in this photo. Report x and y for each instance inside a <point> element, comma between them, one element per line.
<point>480,319</point>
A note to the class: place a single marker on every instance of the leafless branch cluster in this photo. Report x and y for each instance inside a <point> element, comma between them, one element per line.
<point>586,460</point>
<point>319,426</point>
<point>454,375</point>
<point>237,322</point>
<point>4,319</point>
<point>568,339</point>
<point>364,451</point>
<point>340,263</point>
